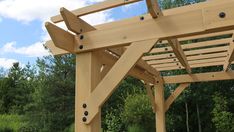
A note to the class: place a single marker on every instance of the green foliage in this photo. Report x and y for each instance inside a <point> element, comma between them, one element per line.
<point>223,120</point>
<point>10,123</point>
<point>113,122</point>
<point>138,111</point>
<point>135,128</point>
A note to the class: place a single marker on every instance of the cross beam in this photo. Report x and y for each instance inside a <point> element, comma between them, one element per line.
<point>203,21</point>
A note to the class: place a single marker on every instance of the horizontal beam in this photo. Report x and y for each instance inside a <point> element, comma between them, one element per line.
<point>188,53</point>
<point>189,58</point>
<point>95,8</point>
<point>200,77</point>
<point>165,27</point>
<point>190,62</point>
<point>194,45</point>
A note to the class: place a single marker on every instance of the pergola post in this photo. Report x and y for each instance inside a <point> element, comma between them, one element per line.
<point>87,77</point>
<point>160,101</point>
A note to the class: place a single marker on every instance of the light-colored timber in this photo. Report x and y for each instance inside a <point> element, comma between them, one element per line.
<point>192,36</point>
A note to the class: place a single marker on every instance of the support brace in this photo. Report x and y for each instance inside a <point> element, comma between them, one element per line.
<point>117,73</point>
<point>175,94</point>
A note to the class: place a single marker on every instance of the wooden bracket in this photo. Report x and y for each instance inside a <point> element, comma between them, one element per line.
<point>175,94</point>
<point>109,83</point>
<point>151,96</point>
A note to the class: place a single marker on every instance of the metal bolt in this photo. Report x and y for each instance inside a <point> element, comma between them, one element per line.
<point>86,113</point>
<point>84,119</point>
<point>81,37</point>
<point>81,47</point>
<point>142,18</point>
<point>84,105</point>
<point>170,55</point>
<point>166,49</point>
<point>222,14</point>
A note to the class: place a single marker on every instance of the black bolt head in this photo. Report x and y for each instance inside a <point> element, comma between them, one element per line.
<point>84,105</point>
<point>84,119</point>
<point>81,47</point>
<point>142,18</point>
<point>222,14</point>
<point>86,113</point>
<point>81,37</point>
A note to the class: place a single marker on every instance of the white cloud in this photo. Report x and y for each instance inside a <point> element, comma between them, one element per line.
<point>7,63</point>
<point>29,10</point>
<point>34,50</point>
<point>0,19</point>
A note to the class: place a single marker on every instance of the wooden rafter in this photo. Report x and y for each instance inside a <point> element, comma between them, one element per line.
<point>95,8</point>
<point>153,8</point>
<point>230,57</point>
<point>179,53</point>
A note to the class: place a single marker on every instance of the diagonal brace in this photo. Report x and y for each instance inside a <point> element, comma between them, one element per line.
<point>116,74</point>
<point>175,94</point>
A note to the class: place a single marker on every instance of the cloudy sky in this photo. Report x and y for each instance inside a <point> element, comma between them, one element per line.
<point>22,31</point>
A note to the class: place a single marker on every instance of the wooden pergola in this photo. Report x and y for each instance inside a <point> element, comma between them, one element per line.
<point>143,47</point>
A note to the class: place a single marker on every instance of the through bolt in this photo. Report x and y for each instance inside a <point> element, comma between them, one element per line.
<point>86,113</point>
<point>84,119</point>
<point>81,37</point>
<point>81,47</point>
<point>84,105</point>
<point>142,18</point>
<point>222,15</point>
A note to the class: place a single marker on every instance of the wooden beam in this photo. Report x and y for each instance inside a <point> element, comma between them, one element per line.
<point>230,57</point>
<point>189,58</point>
<point>151,96</point>
<point>95,8</point>
<point>179,53</point>
<point>74,23</point>
<point>109,83</point>
<point>153,8</point>
<point>175,94</point>
<point>200,77</point>
<point>87,78</point>
<point>165,27</point>
<point>188,53</point>
<point>61,38</point>
<point>194,45</point>
<point>160,111</point>
<point>139,71</point>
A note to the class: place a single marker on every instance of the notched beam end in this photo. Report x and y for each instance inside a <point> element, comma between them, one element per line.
<point>61,38</point>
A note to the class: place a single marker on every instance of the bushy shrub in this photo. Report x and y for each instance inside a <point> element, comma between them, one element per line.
<point>10,123</point>
<point>138,112</point>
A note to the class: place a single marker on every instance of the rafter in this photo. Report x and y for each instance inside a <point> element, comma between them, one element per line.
<point>74,23</point>
<point>95,8</point>
<point>179,53</point>
<point>230,57</point>
<point>153,8</point>
<point>200,77</point>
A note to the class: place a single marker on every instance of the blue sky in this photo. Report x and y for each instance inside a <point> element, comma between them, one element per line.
<point>22,31</point>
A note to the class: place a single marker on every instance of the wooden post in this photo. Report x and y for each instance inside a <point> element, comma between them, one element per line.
<point>87,77</point>
<point>160,111</point>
